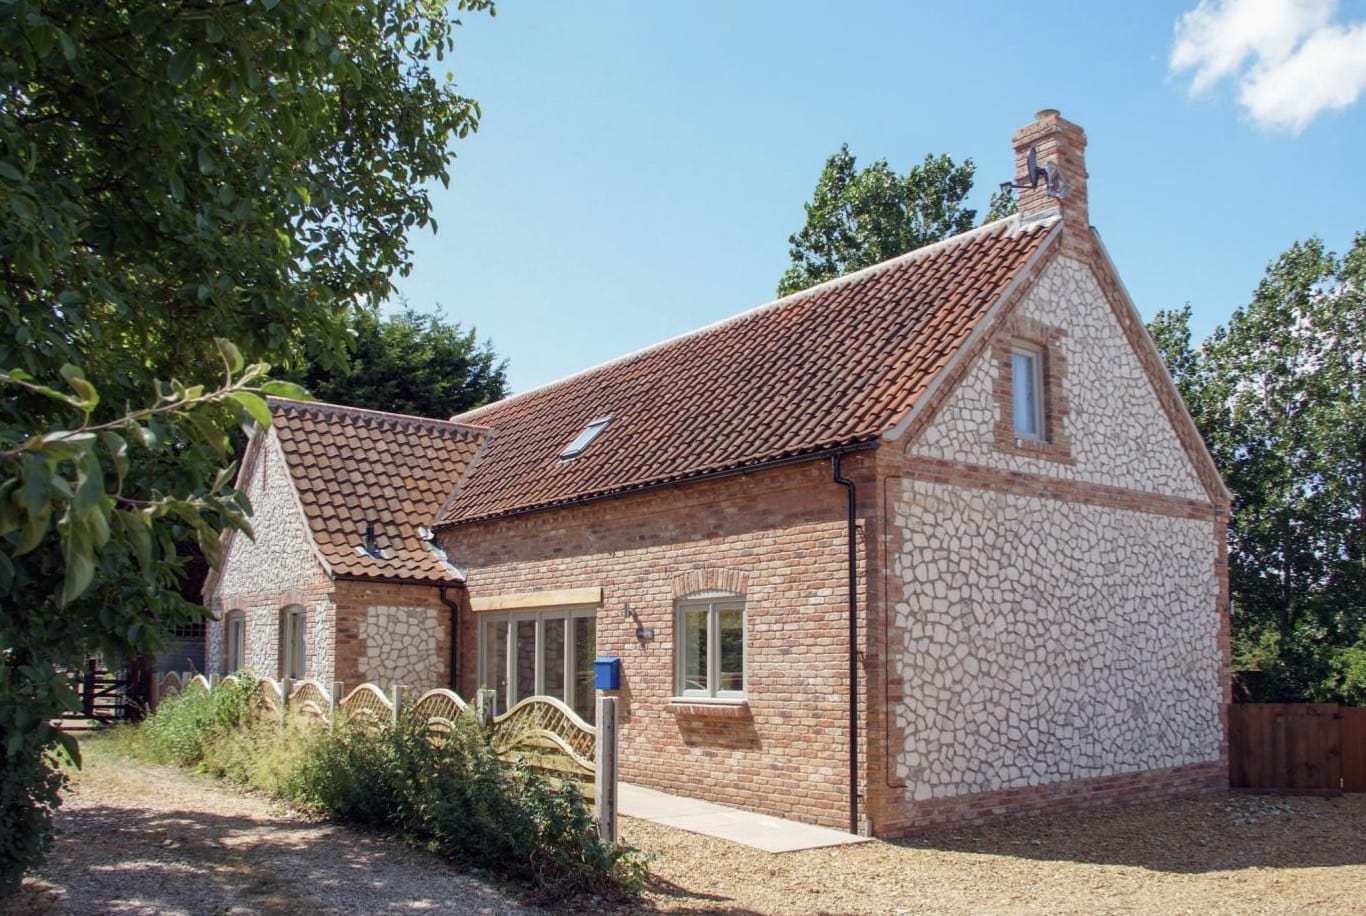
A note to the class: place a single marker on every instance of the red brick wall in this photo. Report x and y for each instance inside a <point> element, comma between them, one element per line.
<point>783,532</point>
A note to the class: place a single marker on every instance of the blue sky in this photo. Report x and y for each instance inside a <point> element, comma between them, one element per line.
<point>640,165</point>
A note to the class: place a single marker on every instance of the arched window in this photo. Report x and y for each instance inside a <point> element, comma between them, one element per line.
<point>709,653</point>
<point>235,634</point>
<point>293,641</point>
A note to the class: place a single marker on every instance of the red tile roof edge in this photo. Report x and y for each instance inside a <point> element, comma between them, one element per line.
<point>1008,227</point>
<point>740,466</point>
<point>329,407</point>
<point>833,283</point>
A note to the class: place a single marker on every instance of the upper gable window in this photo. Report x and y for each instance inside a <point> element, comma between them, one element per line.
<point>585,438</point>
<point>1026,390</point>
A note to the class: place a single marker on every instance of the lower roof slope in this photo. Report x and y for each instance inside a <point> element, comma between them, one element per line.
<point>834,365</point>
<point>353,467</point>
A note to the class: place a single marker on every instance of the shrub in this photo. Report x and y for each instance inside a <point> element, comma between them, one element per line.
<point>452,796</point>
<point>455,798</point>
<point>30,780</point>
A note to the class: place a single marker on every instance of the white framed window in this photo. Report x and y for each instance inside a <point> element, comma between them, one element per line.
<point>236,632</point>
<point>709,646</point>
<point>1026,390</point>
<point>293,642</point>
<point>540,653</point>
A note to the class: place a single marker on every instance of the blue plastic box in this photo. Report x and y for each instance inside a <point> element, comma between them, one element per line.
<point>607,673</point>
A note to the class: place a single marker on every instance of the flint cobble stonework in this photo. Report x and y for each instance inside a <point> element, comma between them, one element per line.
<point>417,608</point>
<point>401,646</point>
<point>1117,432</point>
<point>1039,641</point>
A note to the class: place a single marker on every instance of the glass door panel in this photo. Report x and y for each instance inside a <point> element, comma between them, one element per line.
<point>585,650</point>
<point>496,663</point>
<point>552,657</point>
<point>526,659</point>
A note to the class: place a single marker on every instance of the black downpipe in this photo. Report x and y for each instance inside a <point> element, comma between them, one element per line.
<point>455,634</point>
<point>853,641</point>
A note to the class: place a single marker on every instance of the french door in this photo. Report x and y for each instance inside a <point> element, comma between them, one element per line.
<point>546,653</point>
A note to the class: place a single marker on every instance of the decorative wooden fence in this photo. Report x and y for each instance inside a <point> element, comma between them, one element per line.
<point>540,732</point>
<point>543,733</point>
<point>1301,748</point>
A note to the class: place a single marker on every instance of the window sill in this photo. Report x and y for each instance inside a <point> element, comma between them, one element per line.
<point>716,707</point>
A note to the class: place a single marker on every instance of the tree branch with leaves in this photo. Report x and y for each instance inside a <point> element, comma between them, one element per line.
<point>69,512</point>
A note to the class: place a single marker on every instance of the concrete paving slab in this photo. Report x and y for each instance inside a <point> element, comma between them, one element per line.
<point>758,831</point>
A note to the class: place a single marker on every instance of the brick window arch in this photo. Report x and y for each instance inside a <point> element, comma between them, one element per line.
<point>711,579</point>
<point>710,634</point>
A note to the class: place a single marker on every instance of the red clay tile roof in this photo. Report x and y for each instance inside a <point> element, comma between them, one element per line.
<point>353,466</point>
<point>831,366</point>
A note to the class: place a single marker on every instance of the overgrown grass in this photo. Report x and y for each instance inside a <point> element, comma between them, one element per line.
<point>451,796</point>
<point>186,724</point>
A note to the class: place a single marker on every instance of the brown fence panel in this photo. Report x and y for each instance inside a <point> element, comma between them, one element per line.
<point>1354,750</point>
<point>1289,747</point>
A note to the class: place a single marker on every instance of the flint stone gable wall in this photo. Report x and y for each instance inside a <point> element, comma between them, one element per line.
<point>1118,434</point>
<point>261,577</point>
<point>1055,625</point>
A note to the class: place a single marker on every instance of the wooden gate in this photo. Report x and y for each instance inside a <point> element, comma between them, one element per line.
<point>104,696</point>
<point>1304,748</point>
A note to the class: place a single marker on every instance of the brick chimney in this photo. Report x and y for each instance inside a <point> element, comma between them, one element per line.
<point>1060,147</point>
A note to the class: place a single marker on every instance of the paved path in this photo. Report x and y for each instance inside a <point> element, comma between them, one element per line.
<point>137,838</point>
<point>758,831</point>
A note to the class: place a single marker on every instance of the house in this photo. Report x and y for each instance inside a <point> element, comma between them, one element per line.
<point>339,582</point>
<point>968,458</point>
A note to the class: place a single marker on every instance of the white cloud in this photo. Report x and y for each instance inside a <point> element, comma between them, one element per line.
<point>1290,59</point>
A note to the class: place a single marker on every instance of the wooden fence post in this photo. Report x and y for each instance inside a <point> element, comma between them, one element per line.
<point>396,697</point>
<point>154,693</point>
<point>484,700</point>
<point>88,689</point>
<point>286,686</point>
<point>337,689</point>
<point>605,770</point>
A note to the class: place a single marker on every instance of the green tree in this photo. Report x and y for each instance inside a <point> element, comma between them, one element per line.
<point>172,171</point>
<point>1277,393</point>
<point>411,363</point>
<point>859,217</point>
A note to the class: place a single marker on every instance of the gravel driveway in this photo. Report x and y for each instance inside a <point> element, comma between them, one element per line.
<point>1234,854</point>
<point>146,839</point>
<point>138,838</point>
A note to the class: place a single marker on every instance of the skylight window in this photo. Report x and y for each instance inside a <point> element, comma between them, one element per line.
<point>585,438</point>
